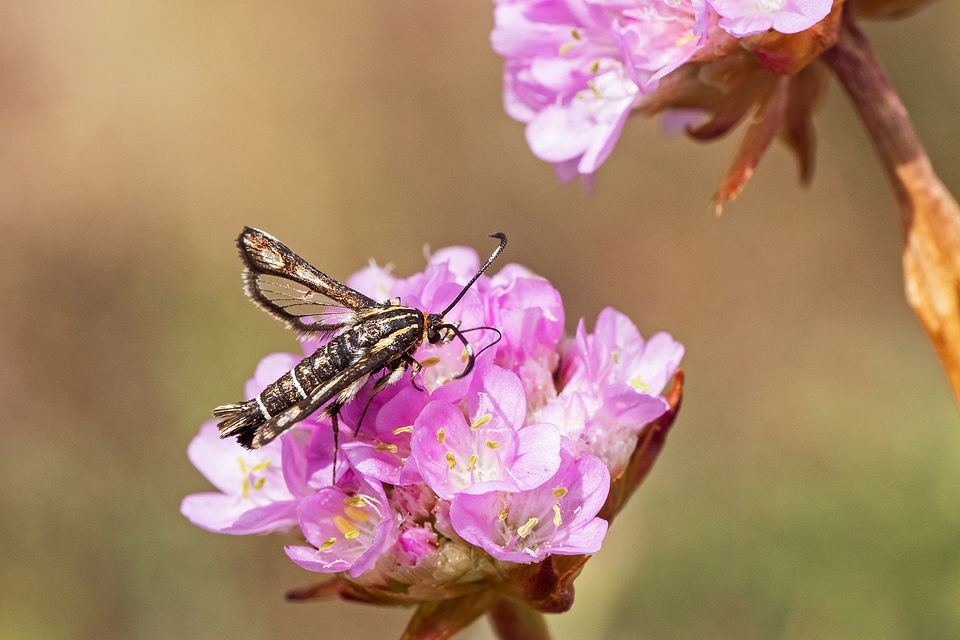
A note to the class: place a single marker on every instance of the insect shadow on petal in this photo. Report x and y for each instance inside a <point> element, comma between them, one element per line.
<point>366,337</point>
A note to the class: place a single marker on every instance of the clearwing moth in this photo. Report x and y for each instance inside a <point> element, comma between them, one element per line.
<point>367,337</point>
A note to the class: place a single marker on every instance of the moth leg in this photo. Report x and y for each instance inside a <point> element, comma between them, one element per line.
<point>390,377</point>
<point>415,368</point>
<point>334,412</point>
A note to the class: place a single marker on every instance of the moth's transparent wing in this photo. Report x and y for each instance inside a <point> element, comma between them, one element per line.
<point>287,287</point>
<point>297,306</point>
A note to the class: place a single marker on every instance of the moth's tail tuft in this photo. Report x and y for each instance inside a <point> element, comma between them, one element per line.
<point>240,420</point>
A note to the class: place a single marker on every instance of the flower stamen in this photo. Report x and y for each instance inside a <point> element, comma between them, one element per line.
<point>482,420</point>
<point>356,514</point>
<point>526,527</point>
<point>345,527</point>
<point>329,542</point>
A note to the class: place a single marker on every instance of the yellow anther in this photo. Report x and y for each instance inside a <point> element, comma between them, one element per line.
<point>260,466</point>
<point>355,501</point>
<point>576,34</point>
<point>492,444</point>
<point>637,383</point>
<point>525,528</point>
<point>559,492</point>
<point>595,66</point>
<point>482,420</point>
<point>246,488</point>
<point>472,464</point>
<point>557,518</point>
<point>451,461</point>
<point>502,515</point>
<point>329,542</point>
<point>615,356</point>
<point>429,362</point>
<point>565,48</point>
<point>594,90</point>
<point>356,514</point>
<point>392,448</point>
<point>686,39</point>
<point>345,527</point>
<point>406,429</point>
<point>258,484</point>
<point>243,465</point>
<point>441,436</point>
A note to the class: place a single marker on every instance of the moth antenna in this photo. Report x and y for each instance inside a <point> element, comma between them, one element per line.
<point>493,256</point>
<point>471,359</point>
<point>492,344</point>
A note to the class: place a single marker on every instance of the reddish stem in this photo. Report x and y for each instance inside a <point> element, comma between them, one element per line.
<point>513,620</point>
<point>929,213</point>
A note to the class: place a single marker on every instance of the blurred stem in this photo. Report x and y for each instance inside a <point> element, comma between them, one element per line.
<point>513,620</point>
<point>929,213</point>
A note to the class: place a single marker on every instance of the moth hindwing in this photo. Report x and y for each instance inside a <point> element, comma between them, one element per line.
<point>366,337</point>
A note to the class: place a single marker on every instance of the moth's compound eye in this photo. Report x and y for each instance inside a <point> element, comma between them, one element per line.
<point>433,336</point>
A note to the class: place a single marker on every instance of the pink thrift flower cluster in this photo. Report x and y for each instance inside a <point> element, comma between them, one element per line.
<point>510,464</point>
<point>576,69</point>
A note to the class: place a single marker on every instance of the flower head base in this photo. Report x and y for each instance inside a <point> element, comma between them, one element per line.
<point>470,487</point>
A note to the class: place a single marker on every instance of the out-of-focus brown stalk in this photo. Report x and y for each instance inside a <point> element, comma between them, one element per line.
<point>930,214</point>
<point>514,620</point>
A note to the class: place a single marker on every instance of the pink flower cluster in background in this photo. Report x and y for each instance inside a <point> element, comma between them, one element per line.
<point>575,69</point>
<point>512,462</point>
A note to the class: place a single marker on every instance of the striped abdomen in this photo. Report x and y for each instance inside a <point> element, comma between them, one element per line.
<point>379,338</point>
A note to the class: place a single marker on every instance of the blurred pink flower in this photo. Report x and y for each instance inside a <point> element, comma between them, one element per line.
<point>575,70</point>
<point>747,17</point>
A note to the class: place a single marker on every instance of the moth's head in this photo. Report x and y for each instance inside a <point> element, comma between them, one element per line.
<point>437,331</point>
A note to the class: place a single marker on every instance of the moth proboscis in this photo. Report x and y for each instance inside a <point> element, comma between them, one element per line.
<point>367,337</point>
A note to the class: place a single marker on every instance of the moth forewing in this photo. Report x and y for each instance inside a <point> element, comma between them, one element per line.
<point>290,289</point>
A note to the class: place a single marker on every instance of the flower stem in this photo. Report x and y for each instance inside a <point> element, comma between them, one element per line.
<point>929,213</point>
<point>513,620</point>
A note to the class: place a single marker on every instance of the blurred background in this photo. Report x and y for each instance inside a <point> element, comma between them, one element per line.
<point>810,489</point>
